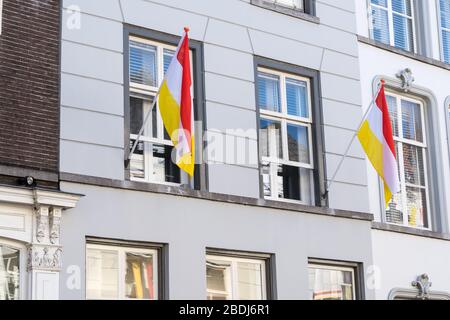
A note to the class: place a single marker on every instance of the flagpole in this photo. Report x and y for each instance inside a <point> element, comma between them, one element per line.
<point>333,178</point>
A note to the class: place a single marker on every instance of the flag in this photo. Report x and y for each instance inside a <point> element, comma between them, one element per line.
<point>175,105</point>
<point>377,141</point>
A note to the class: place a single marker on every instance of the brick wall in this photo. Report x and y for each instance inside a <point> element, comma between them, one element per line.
<point>29,84</point>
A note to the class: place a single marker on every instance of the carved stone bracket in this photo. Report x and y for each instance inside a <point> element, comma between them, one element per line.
<point>407,79</point>
<point>44,257</point>
<point>423,284</point>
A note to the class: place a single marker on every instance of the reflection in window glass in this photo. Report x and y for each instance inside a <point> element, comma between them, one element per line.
<point>9,273</point>
<point>269,92</point>
<point>103,274</point>
<point>139,276</point>
<point>143,64</point>
<point>331,283</point>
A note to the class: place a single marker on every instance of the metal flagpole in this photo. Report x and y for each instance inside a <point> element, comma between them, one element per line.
<point>330,183</point>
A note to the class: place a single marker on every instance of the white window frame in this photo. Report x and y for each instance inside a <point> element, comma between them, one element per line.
<point>390,13</point>
<point>139,91</point>
<point>121,254</point>
<point>441,32</point>
<point>325,266</point>
<point>284,118</point>
<point>293,6</point>
<point>424,147</point>
<point>23,273</point>
<point>234,271</point>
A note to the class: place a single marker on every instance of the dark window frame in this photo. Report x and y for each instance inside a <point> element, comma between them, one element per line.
<point>319,172</point>
<point>308,12</point>
<point>162,250</point>
<point>358,268</point>
<point>270,265</point>
<point>201,170</point>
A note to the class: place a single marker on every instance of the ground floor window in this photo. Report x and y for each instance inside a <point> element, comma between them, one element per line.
<point>118,272</point>
<point>9,272</point>
<point>232,278</point>
<point>330,282</point>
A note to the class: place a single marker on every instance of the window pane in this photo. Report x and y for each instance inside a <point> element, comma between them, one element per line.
<point>294,183</point>
<point>139,278</point>
<point>402,6</point>
<point>446,45</point>
<point>297,98</point>
<point>164,169</point>
<point>102,274</point>
<point>143,64</point>
<point>382,3</point>
<point>168,55</point>
<point>380,25</point>
<point>270,138</point>
<point>393,113</point>
<point>298,143</point>
<point>403,32</point>
<point>330,284</point>
<point>269,92</point>
<point>290,3</point>
<point>444,6</point>
<point>9,273</point>
<point>250,283</point>
<point>417,207</point>
<point>413,165</point>
<point>218,280</point>
<point>136,114</point>
<point>412,121</point>
<point>394,213</point>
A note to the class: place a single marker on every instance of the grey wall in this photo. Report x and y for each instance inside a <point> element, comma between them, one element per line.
<point>232,32</point>
<point>139,216</point>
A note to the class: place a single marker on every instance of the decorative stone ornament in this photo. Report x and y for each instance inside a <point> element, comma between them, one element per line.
<point>423,284</point>
<point>407,79</point>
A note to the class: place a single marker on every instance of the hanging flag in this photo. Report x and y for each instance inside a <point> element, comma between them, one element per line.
<point>377,141</point>
<point>176,107</point>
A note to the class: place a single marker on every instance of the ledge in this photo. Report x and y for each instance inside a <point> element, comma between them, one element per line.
<point>411,55</point>
<point>20,172</point>
<point>204,195</point>
<point>410,231</point>
<point>285,10</point>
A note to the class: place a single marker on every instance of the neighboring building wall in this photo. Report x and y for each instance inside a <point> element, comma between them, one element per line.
<point>29,88</point>
<point>402,254</point>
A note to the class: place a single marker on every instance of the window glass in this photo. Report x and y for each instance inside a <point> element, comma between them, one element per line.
<point>444,6</point>
<point>285,138</point>
<point>331,283</point>
<point>290,3</point>
<point>9,273</point>
<point>143,64</point>
<point>120,273</point>
<point>229,278</point>
<point>269,92</point>
<point>392,23</point>
<point>410,206</point>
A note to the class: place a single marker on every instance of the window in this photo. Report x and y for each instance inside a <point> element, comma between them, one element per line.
<point>152,160</point>
<point>444,9</point>
<point>117,272</point>
<point>410,207</point>
<point>9,273</point>
<point>295,4</point>
<point>393,23</point>
<point>230,278</point>
<point>297,8</point>
<point>328,282</point>
<point>285,136</point>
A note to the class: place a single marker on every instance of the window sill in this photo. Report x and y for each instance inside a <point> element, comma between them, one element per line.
<point>404,53</point>
<point>410,231</point>
<point>285,10</point>
<point>209,196</point>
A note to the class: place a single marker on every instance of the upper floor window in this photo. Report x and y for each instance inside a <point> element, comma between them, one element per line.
<point>10,272</point>
<point>410,207</point>
<point>231,278</point>
<point>331,282</point>
<point>295,4</point>
<point>393,23</point>
<point>152,159</point>
<point>118,272</point>
<point>296,8</point>
<point>287,164</point>
<point>444,8</point>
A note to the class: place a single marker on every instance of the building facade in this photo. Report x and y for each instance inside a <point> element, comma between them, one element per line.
<point>279,88</point>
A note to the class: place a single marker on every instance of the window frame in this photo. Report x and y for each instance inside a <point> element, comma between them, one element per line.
<point>356,269</point>
<point>425,154</point>
<point>308,9</point>
<point>23,272</point>
<point>391,32</point>
<point>121,249</point>
<point>234,257</point>
<point>169,41</point>
<point>315,122</point>
<point>441,32</point>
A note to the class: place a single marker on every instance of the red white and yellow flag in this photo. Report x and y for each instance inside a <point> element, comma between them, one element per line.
<point>377,141</point>
<point>176,107</point>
